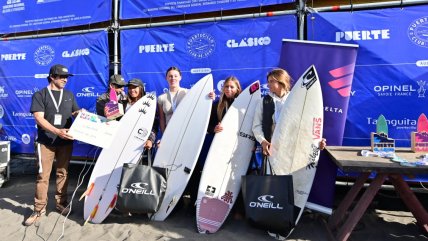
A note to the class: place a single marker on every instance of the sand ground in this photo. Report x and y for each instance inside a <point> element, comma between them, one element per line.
<point>386,219</point>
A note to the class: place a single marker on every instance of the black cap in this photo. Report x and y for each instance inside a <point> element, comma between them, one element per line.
<point>59,69</point>
<point>117,79</point>
<point>135,82</point>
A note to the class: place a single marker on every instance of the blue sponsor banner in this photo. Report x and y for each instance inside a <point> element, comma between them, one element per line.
<point>22,16</point>
<point>391,73</point>
<point>247,49</point>
<point>24,69</point>
<point>145,9</point>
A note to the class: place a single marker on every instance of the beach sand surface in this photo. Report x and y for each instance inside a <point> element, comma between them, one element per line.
<point>17,195</point>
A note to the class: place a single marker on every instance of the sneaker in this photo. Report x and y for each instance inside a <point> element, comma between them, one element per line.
<point>35,216</point>
<point>63,209</point>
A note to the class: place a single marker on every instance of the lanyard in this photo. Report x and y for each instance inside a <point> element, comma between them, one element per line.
<point>53,98</point>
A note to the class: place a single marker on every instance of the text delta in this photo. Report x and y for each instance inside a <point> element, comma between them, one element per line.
<point>363,35</point>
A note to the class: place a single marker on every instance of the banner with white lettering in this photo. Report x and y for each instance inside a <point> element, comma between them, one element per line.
<point>146,9</point>
<point>391,73</point>
<point>336,79</point>
<point>24,69</point>
<point>23,16</point>
<point>247,49</point>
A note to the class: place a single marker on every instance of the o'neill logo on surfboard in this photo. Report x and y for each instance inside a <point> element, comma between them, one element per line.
<point>265,202</point>
<point>309,78</point>
<point>138,188</point>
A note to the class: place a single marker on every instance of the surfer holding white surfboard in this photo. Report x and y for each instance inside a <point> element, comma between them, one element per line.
<point>289,123</point>
<point>230,90</point>
<point>269,109</point>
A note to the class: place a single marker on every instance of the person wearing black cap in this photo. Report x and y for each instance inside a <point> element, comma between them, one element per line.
<point>136,91</point>
<point>117,83</point>
<point>53,108</point>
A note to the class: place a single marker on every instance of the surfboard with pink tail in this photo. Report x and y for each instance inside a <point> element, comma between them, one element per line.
<point>226,162</point>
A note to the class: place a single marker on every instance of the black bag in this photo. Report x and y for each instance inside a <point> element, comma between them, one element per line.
<point>269,202</point>
<point>142,188</point>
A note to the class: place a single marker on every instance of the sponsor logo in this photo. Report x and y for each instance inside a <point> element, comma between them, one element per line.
<point>418,32</point>
<point>313,157</point>
<point>210,190</point>
<point>87,92</point>
<point>138,188</point>
<point>422,89</point>
<point>3,94</point>
<point>200,71</point>
<point>422,63</point>
<point>333,109</point>
<point>25,138</point>
<point>309,78</point>
<point>89,116</point>
<point>264,89</point>
<point>156,48</point>
<point>394,90</point>
<point>248,42</point>
<point>248,136</point>
<point>75,53</point>
<point>399,124</point>
<point>265,201</point>
<point>1,111</point>
<point>363,35</point>
<point>227,197</point>
<point>26,115</point>
<point>141,134</point>
<point>9,138</point>
<point>13,57</point>
<point>41,76</point>
<point>44,55</point>
<point>4,149</point>
<point>342,80</point>
<point>316,128</point>
<point>254,88</point>
<point>200,45</point>
<point>26,93</point>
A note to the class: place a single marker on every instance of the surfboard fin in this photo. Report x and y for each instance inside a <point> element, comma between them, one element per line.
<point>93,213</point>
<point>87,192</point>
<point>112,203</point>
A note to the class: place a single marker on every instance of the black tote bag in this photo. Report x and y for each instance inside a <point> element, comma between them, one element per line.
<point>269,202</point>
<point>142,188</point>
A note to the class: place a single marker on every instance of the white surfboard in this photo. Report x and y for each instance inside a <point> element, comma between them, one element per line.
<point>127,146</point>
<point>295,141</point>
<point>182,142</point>
<point>227,160</point>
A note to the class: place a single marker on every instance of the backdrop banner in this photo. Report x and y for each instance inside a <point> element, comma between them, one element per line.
<point>391,73</point>
<point>336,79</point>
<point>247,49</point>
<point>24,69</point>
<point>146,9</point>
<point>22,16</point>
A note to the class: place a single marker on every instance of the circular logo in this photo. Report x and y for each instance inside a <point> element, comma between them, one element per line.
<point>1,111</point>
<point>220,85</point>
<point>44,55</point>
<point>200,45</point>
<point>25,138</point>
<point>418,32</point>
